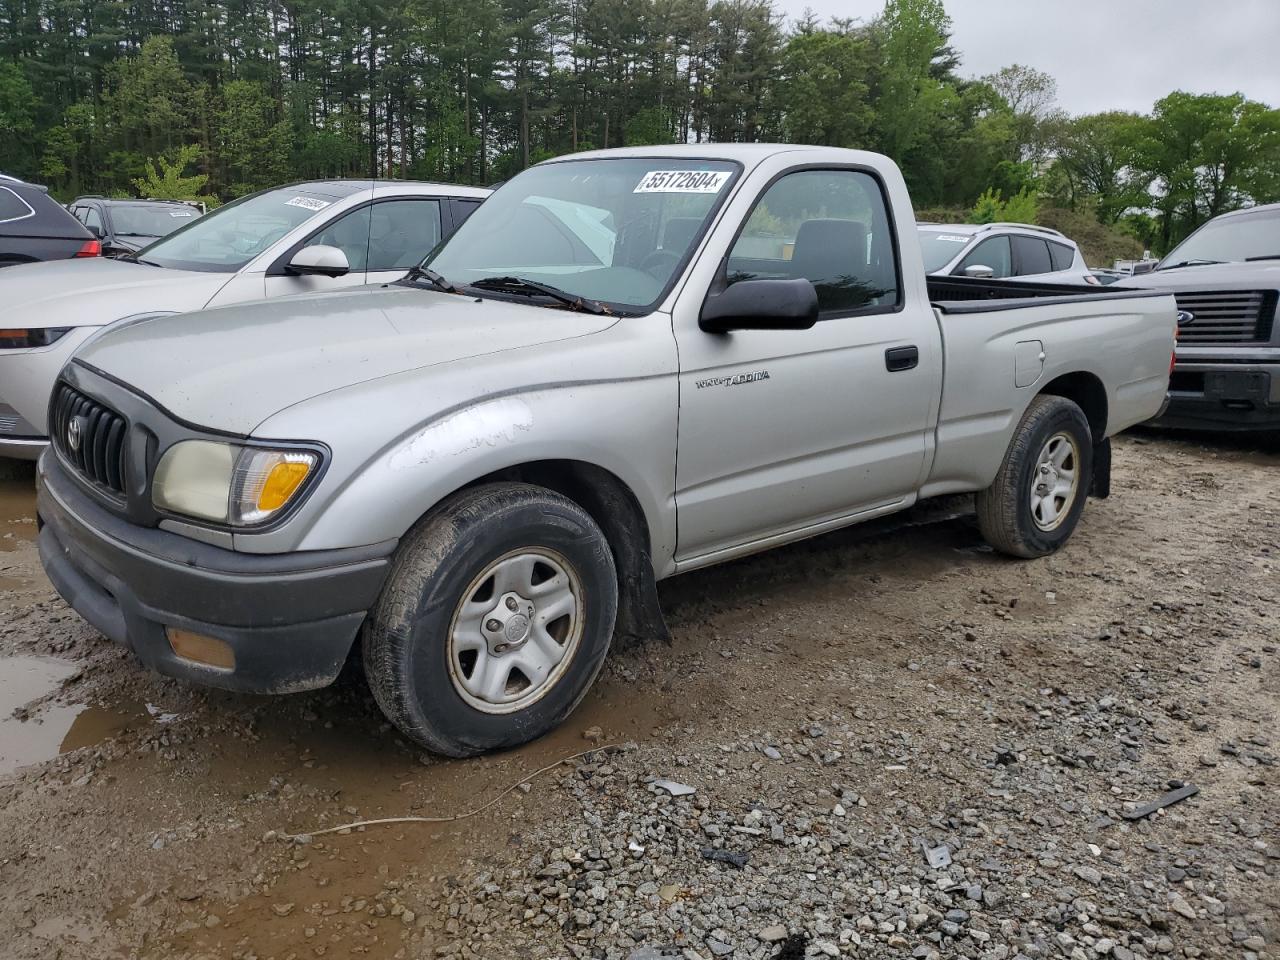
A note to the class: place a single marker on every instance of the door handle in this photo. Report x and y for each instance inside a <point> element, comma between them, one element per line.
<point>897,359</point>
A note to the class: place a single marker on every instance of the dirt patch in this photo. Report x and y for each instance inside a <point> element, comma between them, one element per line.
<point>938,694</point>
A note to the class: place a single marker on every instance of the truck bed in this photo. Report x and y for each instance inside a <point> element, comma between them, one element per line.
<point>967,295</point>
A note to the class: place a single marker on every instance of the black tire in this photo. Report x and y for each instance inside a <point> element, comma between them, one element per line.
<point>406,638</point>
<point>1004,509</point>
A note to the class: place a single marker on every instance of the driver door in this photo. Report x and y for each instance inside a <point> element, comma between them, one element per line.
<point>783,431</point>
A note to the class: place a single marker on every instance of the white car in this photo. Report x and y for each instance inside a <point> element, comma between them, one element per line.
<point>1002,251</point>
<point>300,238</point>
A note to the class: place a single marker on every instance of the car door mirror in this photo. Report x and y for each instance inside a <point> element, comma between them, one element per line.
<point>321,260</point>
<point>761,305</point>
<point>979,271</point>
<point>95,229</point>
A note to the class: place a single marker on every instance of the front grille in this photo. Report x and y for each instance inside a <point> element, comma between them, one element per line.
<point>98,452</point>
<point>1228,316</point>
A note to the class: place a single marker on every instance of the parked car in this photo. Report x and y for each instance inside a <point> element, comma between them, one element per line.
<point>482,470</point>
<point>299,238</point>
<point>1226,277</point>
<point>1106,276</point>
<point>1002,251</point>
<point>35,227</point>
<point>126,226</point>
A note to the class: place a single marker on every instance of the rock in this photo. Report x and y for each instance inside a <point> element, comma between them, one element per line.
<point>1180,906</point>
<point>282,909</point>
<point>772,753</point>
<point>594,734</point>
<point>772,934</point>
<point>719,948</point>
<point>1088,874</point>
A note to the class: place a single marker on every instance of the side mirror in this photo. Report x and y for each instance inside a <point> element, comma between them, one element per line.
<point>1143,266</point>
<point>96,230</point>
<point>319,260</point>
<point>761,305</point>
<point>979,271</point>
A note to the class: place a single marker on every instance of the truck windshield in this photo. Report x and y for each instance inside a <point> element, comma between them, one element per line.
<point>150,219</point>
<point>228,238</point>
<point>940,247</point>
<point>614,231</point>
<point>1244,236</point>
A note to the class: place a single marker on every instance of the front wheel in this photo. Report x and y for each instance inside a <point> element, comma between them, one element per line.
<point>495,620</point>
<point>1035,502</point>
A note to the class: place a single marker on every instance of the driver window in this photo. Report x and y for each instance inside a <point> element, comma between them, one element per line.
<point>829,227</point>
<point>993,253</point>
<point>350,234</point>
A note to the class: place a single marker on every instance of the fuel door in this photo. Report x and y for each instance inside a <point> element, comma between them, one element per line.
<point>1028,362</point>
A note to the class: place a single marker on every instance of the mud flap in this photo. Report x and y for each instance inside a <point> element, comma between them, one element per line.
<point>1101,485</point>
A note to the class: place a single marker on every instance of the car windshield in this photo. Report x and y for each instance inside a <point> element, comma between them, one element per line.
<point>150,219</point>
<point>614,231</point>
<point>1239,237</point>
<point>940,248</point>
<point>228,238</point>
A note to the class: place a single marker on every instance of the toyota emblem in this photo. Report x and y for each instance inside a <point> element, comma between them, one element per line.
<point>73,434</point>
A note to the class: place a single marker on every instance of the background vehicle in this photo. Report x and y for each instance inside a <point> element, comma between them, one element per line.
<point>1226,275</point>
<point>617,370</point>
<point>1107,277</point>
<point>34,227</point>
<point>126,226</point>
<point>1002,251</point>
<point>299,238</point>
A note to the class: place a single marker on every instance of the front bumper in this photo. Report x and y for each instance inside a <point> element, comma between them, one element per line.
<point>1204,394</point>
<point>290,619</point>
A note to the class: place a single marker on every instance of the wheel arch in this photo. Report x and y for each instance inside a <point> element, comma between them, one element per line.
<point>1086,391</point>
<point>613,505</point>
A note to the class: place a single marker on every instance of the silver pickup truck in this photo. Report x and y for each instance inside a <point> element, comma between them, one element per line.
<point>625,365</point>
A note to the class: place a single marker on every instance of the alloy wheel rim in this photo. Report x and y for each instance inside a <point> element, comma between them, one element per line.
<point>515,630</point>
<point>1055,482</point>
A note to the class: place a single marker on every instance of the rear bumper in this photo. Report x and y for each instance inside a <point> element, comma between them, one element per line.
<point>1223,396</point>
<point>289,619</point>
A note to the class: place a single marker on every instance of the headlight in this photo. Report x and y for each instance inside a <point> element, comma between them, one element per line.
<point>228,483</point>
<point>25,337</point>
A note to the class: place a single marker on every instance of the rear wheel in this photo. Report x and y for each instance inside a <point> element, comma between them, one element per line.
<point>495,620</point>
<point>1036,500</point>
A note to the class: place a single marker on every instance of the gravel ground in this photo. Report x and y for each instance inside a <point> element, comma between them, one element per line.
<point>900,744</point>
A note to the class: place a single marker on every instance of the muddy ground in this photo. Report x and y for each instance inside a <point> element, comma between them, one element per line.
<point>838,706</point>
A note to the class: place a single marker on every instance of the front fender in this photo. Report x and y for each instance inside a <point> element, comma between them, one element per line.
<point>627,427</point>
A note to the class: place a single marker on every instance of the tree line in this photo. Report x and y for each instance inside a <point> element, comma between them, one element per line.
<point>117,96</point>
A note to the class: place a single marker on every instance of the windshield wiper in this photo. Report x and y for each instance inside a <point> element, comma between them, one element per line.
<point>1193,262</point>
<point>426,273</point>
<point>533,288</point>
<point>1269,256</point>
<point>134,258</point>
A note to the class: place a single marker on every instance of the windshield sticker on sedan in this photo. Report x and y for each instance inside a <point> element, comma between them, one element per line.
<point>951,239</point>
<point>682,181</point>
<point>181,215</point>
<point>307,203</point>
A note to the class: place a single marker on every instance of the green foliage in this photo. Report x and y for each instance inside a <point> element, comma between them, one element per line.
<point>991,207</point>
<point>164,180</point>
<point>472,91</point>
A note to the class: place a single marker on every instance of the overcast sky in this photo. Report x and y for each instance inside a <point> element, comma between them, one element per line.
<point>1111,54</point>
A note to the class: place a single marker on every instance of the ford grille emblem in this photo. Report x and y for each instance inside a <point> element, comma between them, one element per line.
<point>73,434</point>
<point>1185,317</point>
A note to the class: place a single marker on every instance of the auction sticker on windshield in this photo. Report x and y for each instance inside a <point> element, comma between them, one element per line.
<point>682,181</point>
<point>307,203</point>
<point>953,239</point>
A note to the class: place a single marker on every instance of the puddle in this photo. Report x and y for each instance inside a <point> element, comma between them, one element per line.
<point>17,513</point>
<point>48,730</point>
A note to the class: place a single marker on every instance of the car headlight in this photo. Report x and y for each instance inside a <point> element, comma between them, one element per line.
<point>228,483</point>
<point>25,337</point>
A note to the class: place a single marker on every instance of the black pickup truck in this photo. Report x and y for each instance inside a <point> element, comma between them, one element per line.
<point>1226,276</point>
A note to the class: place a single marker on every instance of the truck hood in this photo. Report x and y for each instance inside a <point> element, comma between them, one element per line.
<point>1255,275</point>
<point>230,368</point>
<point>97,291</point>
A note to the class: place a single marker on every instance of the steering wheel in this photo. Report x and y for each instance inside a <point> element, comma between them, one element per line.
<point>659,263</point>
